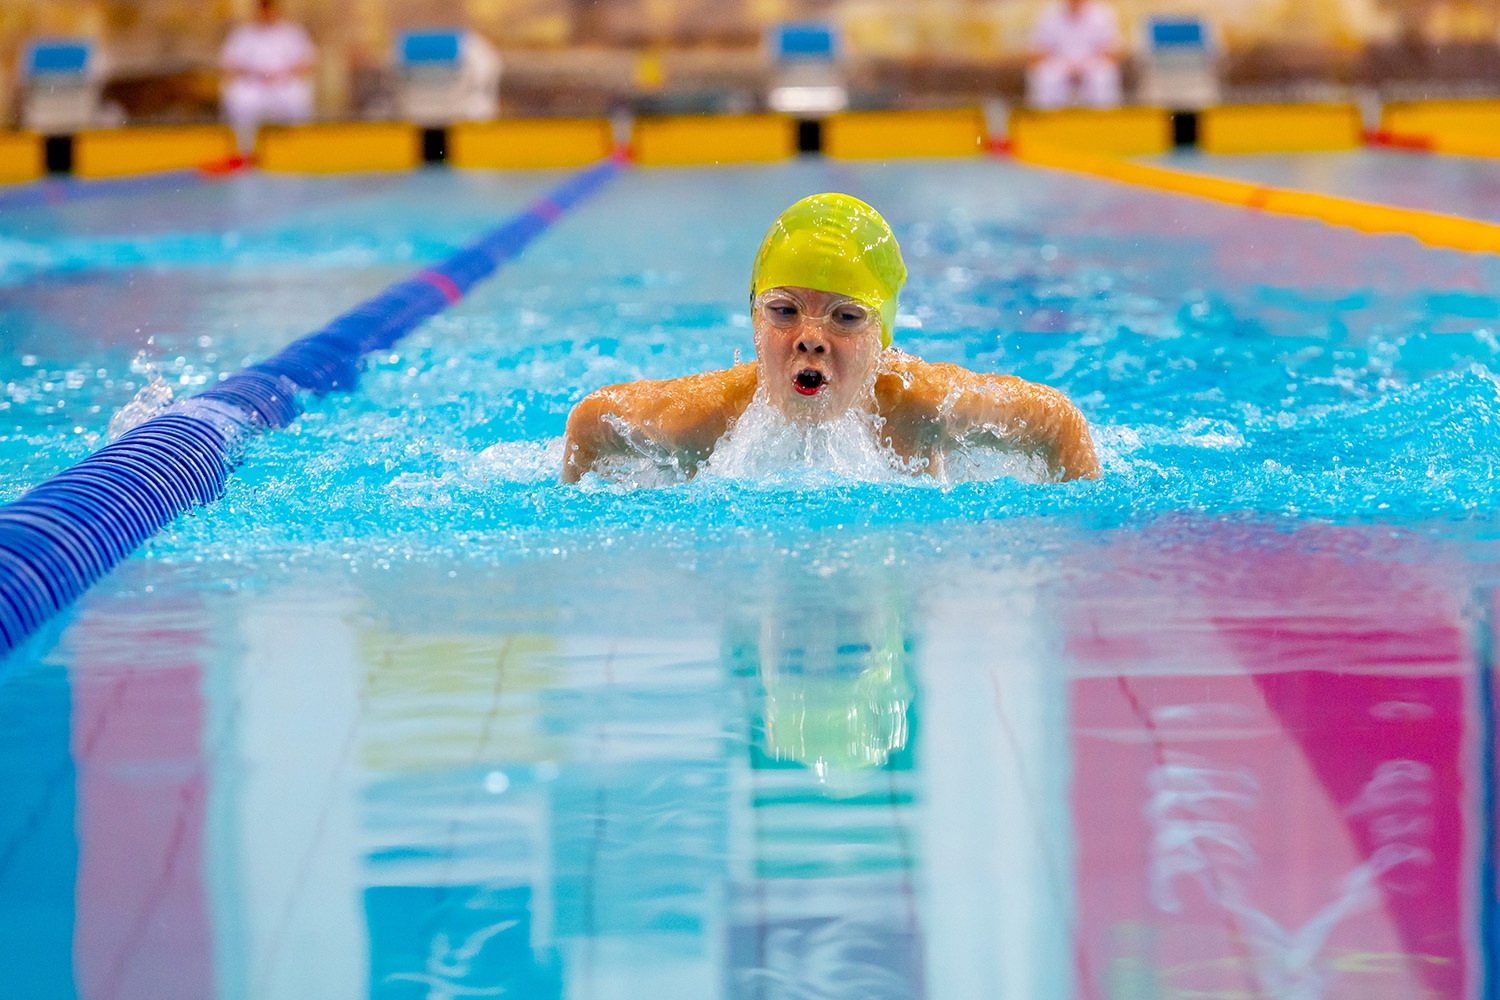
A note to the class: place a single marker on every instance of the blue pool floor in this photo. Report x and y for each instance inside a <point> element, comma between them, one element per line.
<point>401,717</point>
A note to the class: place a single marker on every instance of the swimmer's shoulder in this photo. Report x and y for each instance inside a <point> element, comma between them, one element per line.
<point>684,416</point>
<point>694,411</point>
<point>908,385</point>
<point>686,392</point>
<point>691,411</point>
<point>723,390</point>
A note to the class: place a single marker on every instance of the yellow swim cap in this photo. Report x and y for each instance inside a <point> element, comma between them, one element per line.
<point>834,243</point>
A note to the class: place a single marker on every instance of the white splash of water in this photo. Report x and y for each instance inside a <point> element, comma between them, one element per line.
<point>975,463</point>
<point>153,397</point>
<point>461,475</point>
<point>764,444</point>
<point>518,462</point>
<point>634,471</point>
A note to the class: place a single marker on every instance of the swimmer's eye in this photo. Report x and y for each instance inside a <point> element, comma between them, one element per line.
<point>781,312</point>
<point>850,318</point>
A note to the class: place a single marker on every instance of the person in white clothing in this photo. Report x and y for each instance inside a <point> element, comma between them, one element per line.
<point>267,67</point>
<point>1075,56</point>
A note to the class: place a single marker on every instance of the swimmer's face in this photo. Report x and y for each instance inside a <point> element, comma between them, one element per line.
<point>817,351</point>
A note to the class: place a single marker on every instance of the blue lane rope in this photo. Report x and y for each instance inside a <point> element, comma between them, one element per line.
<point>67,532</point>
<point>1489,833</point>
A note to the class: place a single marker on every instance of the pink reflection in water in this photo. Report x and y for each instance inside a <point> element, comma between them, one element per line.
<point>143,927</point>
<point>1271,777</point>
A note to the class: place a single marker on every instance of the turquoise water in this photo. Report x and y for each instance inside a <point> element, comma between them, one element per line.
<point>399,716</point>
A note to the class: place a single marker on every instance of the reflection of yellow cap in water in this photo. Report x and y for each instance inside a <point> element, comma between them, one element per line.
<point>836,690</point>
<point>838,724</point>
<point>834,243</point>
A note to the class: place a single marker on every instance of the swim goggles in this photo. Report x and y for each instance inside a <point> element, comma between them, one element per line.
<point>785,310</point>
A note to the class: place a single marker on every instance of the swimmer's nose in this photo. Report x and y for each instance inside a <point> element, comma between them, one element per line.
<point>807,345</point>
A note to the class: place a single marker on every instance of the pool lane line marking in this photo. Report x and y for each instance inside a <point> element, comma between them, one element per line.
<point>1451,232</point>
<point>51,191</point>
<point>67,532</point>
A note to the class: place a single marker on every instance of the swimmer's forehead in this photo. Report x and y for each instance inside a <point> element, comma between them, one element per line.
<point>803,292</point>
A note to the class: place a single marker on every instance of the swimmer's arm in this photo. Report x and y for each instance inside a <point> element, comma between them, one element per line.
<point>1010,412</point>
<point>670,421</point>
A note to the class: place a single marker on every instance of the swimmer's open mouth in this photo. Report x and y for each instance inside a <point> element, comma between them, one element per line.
<point>809,380</point>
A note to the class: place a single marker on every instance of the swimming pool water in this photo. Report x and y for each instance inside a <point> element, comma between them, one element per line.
<point>399,716</point>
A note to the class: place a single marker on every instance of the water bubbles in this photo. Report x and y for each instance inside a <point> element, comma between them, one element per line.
<point>154,397</point>
<point>765,445</point>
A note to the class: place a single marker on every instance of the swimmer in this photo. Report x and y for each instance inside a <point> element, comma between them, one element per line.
<point>823,303</point>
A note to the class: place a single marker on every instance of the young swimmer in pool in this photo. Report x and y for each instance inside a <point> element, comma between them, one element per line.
<point>823,302</point>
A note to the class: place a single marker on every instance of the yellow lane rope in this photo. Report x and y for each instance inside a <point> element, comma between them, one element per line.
<point>1433,228</point>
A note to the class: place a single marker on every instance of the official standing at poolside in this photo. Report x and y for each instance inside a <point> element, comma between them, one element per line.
<point>823,305</point>
<point>1075,56</point>
<point>267,67</point>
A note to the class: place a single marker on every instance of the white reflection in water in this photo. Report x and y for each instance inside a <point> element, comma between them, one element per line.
<point>1195,835</point>
<point>825,963</point>
<point>447,964</point>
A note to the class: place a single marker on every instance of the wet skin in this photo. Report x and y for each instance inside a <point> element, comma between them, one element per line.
<point>818,356</point>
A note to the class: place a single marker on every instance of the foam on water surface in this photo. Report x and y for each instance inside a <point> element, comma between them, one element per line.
<point>763,444</point>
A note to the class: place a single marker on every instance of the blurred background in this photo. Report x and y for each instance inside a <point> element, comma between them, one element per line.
<point>567,57</point>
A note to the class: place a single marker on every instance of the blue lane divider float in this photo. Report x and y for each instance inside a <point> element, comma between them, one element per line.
<point>67,532</point>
